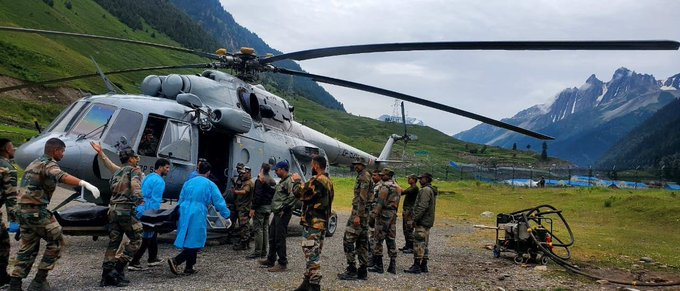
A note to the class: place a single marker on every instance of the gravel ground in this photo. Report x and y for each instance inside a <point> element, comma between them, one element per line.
<point>221,268</point>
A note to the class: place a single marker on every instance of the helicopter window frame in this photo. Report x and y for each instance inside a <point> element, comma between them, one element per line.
<point>156,124</point>
<point>66,119</point>
<point>84,120</point>
<point>124,122</point>
<point>175,140</point>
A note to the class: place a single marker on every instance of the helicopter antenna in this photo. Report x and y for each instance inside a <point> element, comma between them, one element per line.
<point>109,85</point>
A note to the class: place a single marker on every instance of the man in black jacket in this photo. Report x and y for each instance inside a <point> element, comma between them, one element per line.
<point>260,211</point>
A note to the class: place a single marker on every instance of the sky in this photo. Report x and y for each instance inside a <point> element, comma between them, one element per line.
<point>496,84</point>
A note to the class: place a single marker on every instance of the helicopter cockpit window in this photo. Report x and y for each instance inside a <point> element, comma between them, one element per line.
<point>93,124</point>
<point>67,118</point>
<point>153,129</point>
<point>127,124</point>
<point>176,141</point>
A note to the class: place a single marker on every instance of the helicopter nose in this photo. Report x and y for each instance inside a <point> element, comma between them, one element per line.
<point>30,150</point>
<point>76,158</point>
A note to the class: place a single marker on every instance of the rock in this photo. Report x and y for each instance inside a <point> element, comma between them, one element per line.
<point>646,260</point>
<point>602,282</point>
<point>501,278</point>
<point>500,289</point>
<point>541,268</point>
<point>486,214</point>
<point>629,289</point>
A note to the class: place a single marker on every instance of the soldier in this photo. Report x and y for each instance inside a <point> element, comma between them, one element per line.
<point>126,195</point>
<point>244,199</point>
<point>423,216</point>
<point>8,197</point>
<point>282,207</point>
<point>356,232</point>
<point>407,212</point>
<point>260,211</point>
<point>39,182</point>
<point>236,182</point>
<point>317,200</point>
<point>385,215</point>
<point>375,177</point>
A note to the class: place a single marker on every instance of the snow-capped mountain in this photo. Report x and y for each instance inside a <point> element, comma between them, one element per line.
<point>585,121</point>
<point>409,120</point>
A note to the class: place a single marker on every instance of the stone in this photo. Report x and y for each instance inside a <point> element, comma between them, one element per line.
<point>486,214</point>
<point>541,268</point>
<point>602,282</point>
<point>646,260</point>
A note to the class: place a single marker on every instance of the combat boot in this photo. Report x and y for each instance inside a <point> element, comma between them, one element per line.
<point>370,261</point>
<point>15,284</point>
<point>110,278</point>
<point>362,273</point>
<point>120,268</point>
<point>408,248</point>
<point>4,277</point>
<point>314,287</point>
<point>304,286</point>
<point>39,282</point>
<point>242,246</point>
<point>415,268</point>
<point>393,266</point>
<point>377,265</point>
<point>423,266</point>
<point>349,274</point>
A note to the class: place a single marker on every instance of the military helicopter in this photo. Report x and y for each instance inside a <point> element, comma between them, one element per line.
<point>228,119</point>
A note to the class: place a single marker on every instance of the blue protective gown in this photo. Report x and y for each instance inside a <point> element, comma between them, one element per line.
<point>197,194</point>
<point>152,189</point>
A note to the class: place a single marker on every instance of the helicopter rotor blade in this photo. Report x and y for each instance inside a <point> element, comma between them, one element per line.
<point>477,45</point>
<point>84,76</point>
<point>405,136</point>
<point>416,100</point>
<point>109,38</point>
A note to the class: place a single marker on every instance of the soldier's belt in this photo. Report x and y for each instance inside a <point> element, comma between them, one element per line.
<point>33,206</point>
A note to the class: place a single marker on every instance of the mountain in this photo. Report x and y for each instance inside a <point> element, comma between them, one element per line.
<point>650,144</point>
<point>409,120</point>
<point>585,121</point>
<point>220,24</point>
<point>205,25</point>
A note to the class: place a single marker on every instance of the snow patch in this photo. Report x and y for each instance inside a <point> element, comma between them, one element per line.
<point>628,107</point>
<point>599,98</point>
<point>668,88</point>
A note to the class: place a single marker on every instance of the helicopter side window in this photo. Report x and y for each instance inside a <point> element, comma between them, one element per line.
<point>148,146</point>
<point>127,124</point>
<point>176,141</point>
<point>66,119</point>
<point>95,121</point>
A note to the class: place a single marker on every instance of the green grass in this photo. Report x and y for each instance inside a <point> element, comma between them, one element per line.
<point>636,224</point>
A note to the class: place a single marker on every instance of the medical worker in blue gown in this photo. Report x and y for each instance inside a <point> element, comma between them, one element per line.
<point>197,194</point>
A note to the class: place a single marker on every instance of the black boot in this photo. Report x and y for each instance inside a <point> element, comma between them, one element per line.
<point>423,266</point>
<point>15,284</point>
<point>304,286</point>
<point>415,268</point>
<point>40,281</point>
<point>370,261</point>
<point>377,265</point>
<point>362,273</point>
<point>393,266</point>
<point>120,268</point>
<point>110,278</point>
<point>349,274</point>
<point>242,246</point>
<point>408,248</point>
<point>314,287</point>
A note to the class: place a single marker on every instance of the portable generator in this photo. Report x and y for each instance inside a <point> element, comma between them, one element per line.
<point>531,236</point>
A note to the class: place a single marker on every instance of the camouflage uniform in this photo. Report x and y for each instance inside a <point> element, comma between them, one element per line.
<point>243,204</point>
<point>8,197</point>
<point>358,234</point>
<point>371,220</point>
<point>407,215</point>
<point>317,199</point>
<point>126,194</point>
<point>385,213</point>
<point>424,220</point>
<point>37,186</point>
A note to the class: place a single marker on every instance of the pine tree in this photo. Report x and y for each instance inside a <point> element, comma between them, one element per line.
<point>514,146</point>
<point>544,153</point>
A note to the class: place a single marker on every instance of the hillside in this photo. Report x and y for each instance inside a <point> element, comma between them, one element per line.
<point>32,58</point>
<point>655,143</point>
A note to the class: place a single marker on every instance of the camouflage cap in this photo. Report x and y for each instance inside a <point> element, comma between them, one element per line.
<point>428,175</point>
<point>358,161</point>
<point>387,171</point>
<point>127,153</point>
<point>412,176</point>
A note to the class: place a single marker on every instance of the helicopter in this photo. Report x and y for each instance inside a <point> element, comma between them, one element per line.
<point>229,119</point>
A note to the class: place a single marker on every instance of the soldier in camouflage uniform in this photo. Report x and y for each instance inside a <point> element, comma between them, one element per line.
<point>423,216</point>
<point>244,199</point>
<point>356,231</point>
<point>377,181</point>
<point>37,186</point>
<point>407,212</point>
<point>126,194</point>
<point>8,197</point>
<point>385,214</point>
<point>317,199</point>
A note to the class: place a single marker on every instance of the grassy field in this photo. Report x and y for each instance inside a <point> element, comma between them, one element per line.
<point>611,227</point>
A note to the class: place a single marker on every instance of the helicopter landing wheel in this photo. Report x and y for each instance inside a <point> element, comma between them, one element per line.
<point>518,259</point>
<point>544,260</point>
